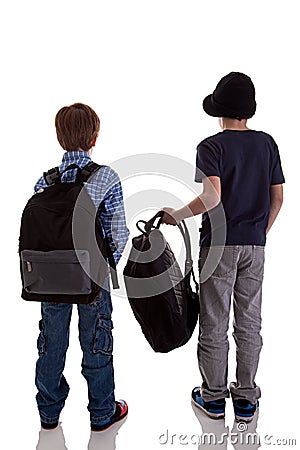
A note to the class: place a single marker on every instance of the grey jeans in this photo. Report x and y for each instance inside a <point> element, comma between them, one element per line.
<point>238,276</point>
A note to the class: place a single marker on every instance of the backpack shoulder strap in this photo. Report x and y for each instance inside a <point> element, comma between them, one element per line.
<point>112,265</point>
<point>89,169</point>
<point>51,175</point>
<point>86,172</point>
<point>54,175</point>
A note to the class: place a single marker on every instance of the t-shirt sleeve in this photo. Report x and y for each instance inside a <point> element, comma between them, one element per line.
<point>277,176</point>
<point>207,161</point>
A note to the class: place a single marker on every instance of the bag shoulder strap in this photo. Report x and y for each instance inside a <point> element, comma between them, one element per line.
<point>86,173</point>
<point>54,175</point>
<point>90,169</point>
<point>112,264</point>
<point>51,175</point>
<point>83,174</point>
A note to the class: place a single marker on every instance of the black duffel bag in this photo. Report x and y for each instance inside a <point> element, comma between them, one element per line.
<point>160,296</point>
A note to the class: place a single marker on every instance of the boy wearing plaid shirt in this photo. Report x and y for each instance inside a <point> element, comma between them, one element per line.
<point>77,128</point>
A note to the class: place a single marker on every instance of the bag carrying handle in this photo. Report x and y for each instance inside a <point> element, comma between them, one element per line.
<point>148,226</point>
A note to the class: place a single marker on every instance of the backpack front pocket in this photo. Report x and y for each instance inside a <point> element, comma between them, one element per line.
<point>56,272</point>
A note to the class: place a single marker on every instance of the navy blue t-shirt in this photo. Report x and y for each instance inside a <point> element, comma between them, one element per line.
<point>248,163</point>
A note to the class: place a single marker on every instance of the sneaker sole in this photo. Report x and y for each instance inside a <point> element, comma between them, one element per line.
<point>211,415</point>
<point>243,419</point>
<point>116,424</point>
<point>246,419</point>
<point>110,424</point>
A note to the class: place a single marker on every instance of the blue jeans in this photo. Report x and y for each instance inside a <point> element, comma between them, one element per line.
<point>95,336</point>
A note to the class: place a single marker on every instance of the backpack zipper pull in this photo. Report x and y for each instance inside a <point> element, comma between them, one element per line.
<point>29,266</point>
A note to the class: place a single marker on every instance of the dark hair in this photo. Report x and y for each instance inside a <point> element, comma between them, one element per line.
<point>76,126</point>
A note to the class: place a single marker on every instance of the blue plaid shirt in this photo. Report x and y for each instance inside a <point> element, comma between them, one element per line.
<point>105,186</point>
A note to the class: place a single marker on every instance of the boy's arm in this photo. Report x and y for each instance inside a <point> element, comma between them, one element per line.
<point>209,199</point>
<point>41,183</point>
<point>276,200</point>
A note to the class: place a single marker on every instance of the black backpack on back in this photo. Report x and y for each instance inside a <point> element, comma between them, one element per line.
<point>160,296</point>
<point>62,248</point>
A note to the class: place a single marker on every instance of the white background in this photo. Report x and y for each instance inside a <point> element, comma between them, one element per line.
<point>145,68</point>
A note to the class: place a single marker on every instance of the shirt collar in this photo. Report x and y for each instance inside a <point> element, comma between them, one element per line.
<point>75,155</point>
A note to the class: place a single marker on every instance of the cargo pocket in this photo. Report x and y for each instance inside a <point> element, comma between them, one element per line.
<point>41,342</point>
<point>103,340</point>
<point>56,272</point>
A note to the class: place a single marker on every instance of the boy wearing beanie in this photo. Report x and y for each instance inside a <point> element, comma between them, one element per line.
<point>242,194</point>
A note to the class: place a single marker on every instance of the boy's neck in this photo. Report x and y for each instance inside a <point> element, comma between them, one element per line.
<point>233,124</point>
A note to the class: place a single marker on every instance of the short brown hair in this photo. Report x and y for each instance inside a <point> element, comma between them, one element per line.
<point>76,126</point>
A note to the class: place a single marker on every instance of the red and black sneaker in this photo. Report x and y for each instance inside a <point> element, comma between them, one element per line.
<point>120,414</point>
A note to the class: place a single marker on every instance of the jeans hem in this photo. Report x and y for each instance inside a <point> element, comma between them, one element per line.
<point>102,419</point>
<point>213,398</point>
<point>250,394</point>
<point>48,420</point>
<point>252,400</point>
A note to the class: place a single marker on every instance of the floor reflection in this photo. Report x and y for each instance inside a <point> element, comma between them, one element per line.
<point>216,435</point>
<point>51,439</point>
<point>244,435</point>
<point>55,440</point>
<point>105,440</point>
